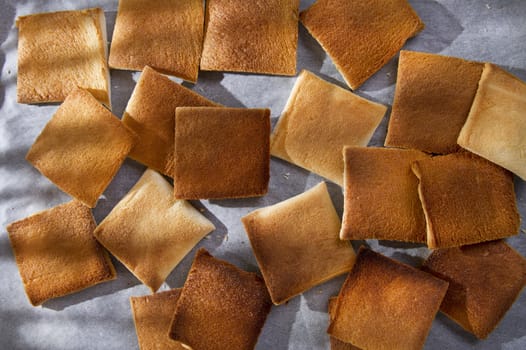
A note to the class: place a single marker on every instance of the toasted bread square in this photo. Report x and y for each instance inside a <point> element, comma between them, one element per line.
<point>496,125</point>
<point>296,243</point>
<point>221,152</point>
<point>484,281</point>
<point>164,34</point>
<point>152,315</point>
<point>57,254</point>
<point>60,51</point>
<point>381,195</point>
<point>361,36</point>
<point>466,200</point>
<point>150,113</point>
<point>433,96</point>
<point>260,36</point>
<point>337,344</point>
<point>384,304</point>
<point>319,119</point>
<point>150,232</point>
<point>220,307</point>
<point>82,147</point>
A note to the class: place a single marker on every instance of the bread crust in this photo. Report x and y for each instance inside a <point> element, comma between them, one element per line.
<point>381,195</point>
<point>496,125</point>
<point>484,281</point>
<point>150,114</point>
<point>296,243</point>
<point>361,36</point>
<point>150,232</point>
<point>256,37</point>
<point>220,307</point>
<point>164,34</point>
<point>337,344</point>
<point>82,147</point>
<point>384,304</point>
<point>60,51</point>
<point>319,119</point>
<point>432,100</point>
<point>221,152</point>
<point>466,200</point>
<point>56,253</point>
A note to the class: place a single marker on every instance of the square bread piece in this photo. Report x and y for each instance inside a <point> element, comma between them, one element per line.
<point>381,195</point>
<point>152,315</point>
<point>484,281</point>
<point>296,243</point>
<point>319,119</point>
<point>496,125</point>
<point>337,344</point>
<point>466,200</point>
<point>150,232</point>
<point>60,51</point>
<point>221,152</point>
<point>57,254</point>
<point>220,307</point>
<point>260,36</point>
<point>164,34</point>
<point>81,148</point>
<point>361,36</point>
<point>432,99</point>
<point>150,113</point>
<point>384,304</point>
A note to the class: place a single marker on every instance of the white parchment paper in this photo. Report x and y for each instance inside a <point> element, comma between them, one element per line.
<point>100,317</point>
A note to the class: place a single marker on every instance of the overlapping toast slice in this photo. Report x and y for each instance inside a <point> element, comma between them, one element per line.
<point>484,281</point>
<point>221,152</point>
<point>381,195</point>
<point>496,125</point>
<point>466,200</point>
<point>152,316</point>
<point>319,119</point>
<point>150,113</point>
<point>432,100</point>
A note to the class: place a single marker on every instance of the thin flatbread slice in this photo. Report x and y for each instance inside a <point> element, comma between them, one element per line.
<point>433,96</point>
<point>150,232</point>
<point>220,307</point>
<point>381,195</point>
<point>60,51</point>
<point>466,200</point>
<point>150,113</point>
<point>164,34</point>
<point>496,125</point>
<point>256,37</point>
<point>57,254</point>
<point>484,281</point>
<point>384,304</point>
<point>361,36</point>
<point>82,147</point>
<point>221,152</point>
<point>152,316</point>
<point>296,243</point>
<point>337,344</point>
<point>319,119</point>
